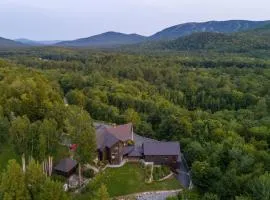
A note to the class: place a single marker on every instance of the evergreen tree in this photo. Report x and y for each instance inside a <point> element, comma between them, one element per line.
<point>102,193</point>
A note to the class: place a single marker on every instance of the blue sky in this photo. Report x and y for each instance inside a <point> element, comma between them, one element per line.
<point>70,19</point>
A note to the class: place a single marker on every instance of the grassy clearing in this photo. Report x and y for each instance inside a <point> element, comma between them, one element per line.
<point>131,179</point>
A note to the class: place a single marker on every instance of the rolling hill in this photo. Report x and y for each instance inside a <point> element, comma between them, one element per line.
<point>108,39</point>
<point>7,43</point>
<point>230,26</point>
<point>241,42</point>
<point>115,39</point>
<point>185,36</point>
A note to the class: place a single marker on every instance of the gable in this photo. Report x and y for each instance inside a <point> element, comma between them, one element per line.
<point>109,136</point>
<point>122,132</point>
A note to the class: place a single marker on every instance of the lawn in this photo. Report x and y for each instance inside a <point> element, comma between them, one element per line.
<point>131,179</point>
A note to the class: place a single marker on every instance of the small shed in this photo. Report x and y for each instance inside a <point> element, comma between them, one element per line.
<point>66,167</point>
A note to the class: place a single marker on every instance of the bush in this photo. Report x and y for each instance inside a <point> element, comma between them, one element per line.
<point>160,172</point>
<point>210,196</point>
<point>148,169</point>
<point>88,173</point>
<point>130,143</point>
<point>59,178</point>
<point>172,198</point>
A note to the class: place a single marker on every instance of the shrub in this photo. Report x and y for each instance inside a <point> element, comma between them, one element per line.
<point>88,173</point>
<point>160,172</point>
<point>58,178</point>
<point>148,169</point>
<point>172,198</point>
<point>130,143</point>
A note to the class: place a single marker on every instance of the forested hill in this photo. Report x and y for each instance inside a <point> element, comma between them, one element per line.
<point>229,26</point>
<point>6,43</point>
<point>112,39</point>
<point>116,39</point>
<point>261,32</point>
<point>218,108</point>
<point>218,41</point>
<point>255,41</point>
<point>108,39</point>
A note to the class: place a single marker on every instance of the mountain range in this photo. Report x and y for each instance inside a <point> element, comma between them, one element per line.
<point>230,26</point>
<point>253,39</point>
<point>6,43</point>
<point>115,39</point>
<point>105,39</point>
<point>37,43</point>
<point>110,39</point>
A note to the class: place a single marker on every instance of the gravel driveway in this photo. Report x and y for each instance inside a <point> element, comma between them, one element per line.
<point>157,195</point>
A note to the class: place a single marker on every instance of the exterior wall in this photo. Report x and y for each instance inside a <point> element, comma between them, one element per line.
<point>133,159</point>
<point>66,174</point>
<point>115,153</point>
<point>163,160</point>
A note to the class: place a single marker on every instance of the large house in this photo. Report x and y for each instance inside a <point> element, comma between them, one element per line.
<point>112,140</point>
<point>116,143</point>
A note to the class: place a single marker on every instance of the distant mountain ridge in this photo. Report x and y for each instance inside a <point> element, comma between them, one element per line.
<point>246,41</point>
<point>116,39</point>
<point>110,39</point>
<point>37,43</point>
<point>105,39</point>
<point>185,29</point>
<point>7,43</point>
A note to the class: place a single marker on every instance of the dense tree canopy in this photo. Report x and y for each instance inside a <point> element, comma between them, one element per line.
<point>217,106</point>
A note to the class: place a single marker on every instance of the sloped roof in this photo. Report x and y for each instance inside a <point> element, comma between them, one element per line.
<point>104,139</point>
<point>127,150</point>
<point>108,136</point>
<point>66,165</point>
<point>161,148</point>
<point>132,151</point>
<point>121,132</point>
<point>137,152</point>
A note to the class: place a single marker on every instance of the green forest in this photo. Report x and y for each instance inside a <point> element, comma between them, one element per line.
<point>216,105</point>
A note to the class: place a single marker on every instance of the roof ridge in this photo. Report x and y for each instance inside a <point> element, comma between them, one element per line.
<point>120,135</point>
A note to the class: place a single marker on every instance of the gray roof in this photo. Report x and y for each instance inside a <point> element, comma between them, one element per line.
<point>132,151</point>
<point>161,148</point>
<point>105,139</point>
<point>66,165</point>
<point>139,140</point>
<point>127,150</point>
<point>107,135</point>
<point>137,152</point>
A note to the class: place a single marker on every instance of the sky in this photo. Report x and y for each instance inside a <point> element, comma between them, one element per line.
<point>71,19</point>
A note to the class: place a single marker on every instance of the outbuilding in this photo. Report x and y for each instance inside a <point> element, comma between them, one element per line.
<point>162,153</point>
<point>66,167</point>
